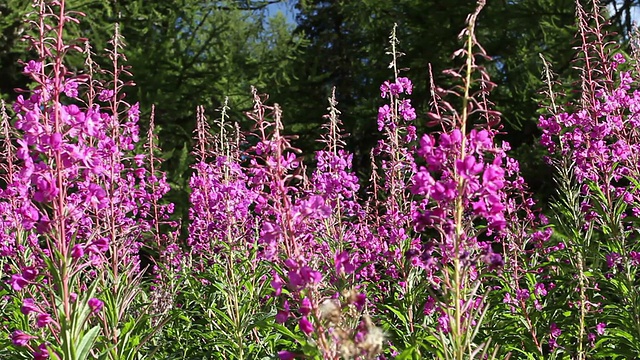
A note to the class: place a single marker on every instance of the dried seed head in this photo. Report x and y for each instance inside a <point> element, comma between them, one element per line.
<point>348,349</point>
<point>330,311</point>
<point>373,340</point>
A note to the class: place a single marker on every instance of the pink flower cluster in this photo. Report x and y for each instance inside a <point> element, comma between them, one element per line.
<point>77,201</point>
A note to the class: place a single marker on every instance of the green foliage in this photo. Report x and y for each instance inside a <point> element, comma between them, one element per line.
<point>183,54</point>
<point>224,312</point>
<point>347,36</point>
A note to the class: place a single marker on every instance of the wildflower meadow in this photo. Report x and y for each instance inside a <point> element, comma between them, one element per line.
<point>441,253</point>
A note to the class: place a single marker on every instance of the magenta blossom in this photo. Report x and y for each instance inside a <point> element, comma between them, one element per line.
<point>305,325</point>
<point>286,355</point>
<point>95,305</point>
<point>28,306</point>
<point>42,353</point>
<point>18,282</point>
<point>19,338</point>
<point>43,320</point>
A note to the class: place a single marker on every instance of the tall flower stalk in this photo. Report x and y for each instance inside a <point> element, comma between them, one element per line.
<point>78,198</point>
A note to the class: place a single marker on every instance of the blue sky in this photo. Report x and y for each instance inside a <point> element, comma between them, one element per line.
<point>286,7</point>
<point>635,11</point>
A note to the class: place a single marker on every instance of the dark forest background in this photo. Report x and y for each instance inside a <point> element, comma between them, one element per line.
<point>196,52</point>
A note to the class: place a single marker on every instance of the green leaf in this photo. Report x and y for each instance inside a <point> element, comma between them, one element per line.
<point>407,354</point>
<point>85,345</point>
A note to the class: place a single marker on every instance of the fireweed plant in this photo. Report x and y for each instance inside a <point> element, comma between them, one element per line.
<point>77,204</point>
<point>465,200</point>
<point>445,257</point>
<point>597,209</point>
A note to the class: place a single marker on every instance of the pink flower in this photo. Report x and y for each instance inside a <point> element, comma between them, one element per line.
<point>28,306</point>
<point>42,353</point>
<point>405,84</point>
<point>46,188</point>
<point>555,330</point>
<point>360,301</point>
<point>286,355</point>
<point>29,273</point>
<point>305,325</point>
<point>43,320</point>
<point>71,89</point>
<point>384,114</point>
<point>343,265</point>
<point>19,338</point>
<point>305,307</point>
<point>77,251</point>
<point>95,305</point>
<point>276,283</point>
<point>101,244</point>
<point>32,67</point>
<point>283,315</point>
<point>105,95</point>
<point>18,282</point>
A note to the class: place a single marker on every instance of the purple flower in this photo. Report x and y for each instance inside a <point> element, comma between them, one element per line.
<point>28,306</point>
<point>71,89</point>
<point>19,338</point>
<point>343,265</point>
<point>295,280</point>
<point>18,282</point>
<point>443,323</point>
<point>101,244</point>
<point>619,58</point>
<point>46,189</point>
<point>95,305</point>
<point>384,115</point>
<point>429,306</point>
<point>555,331</point>
<point>314,207</point>
<point>43,320</point>
<point>283,315</point>
<point>42,353</point>
<point>395,88</point>
<point>613,259</point>
<point>537,305</point>
<point>32,67</point>
<point>522,294</point>
<point>286,355</point>
<point>407,111</point>
<point>360,301</point>
<point>305,325</point>
<point>310,276</point>
<point>29,273</point>
<point>305,306</point>
<point>105,95</point>
<point>600,328</point>
<point>405,84</point>
<point>77,251</point>
<point>493,260</point>
<point>384,89</point>
<point>276,283</point>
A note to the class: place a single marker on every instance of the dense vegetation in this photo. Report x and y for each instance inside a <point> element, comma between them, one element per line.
<point>388,200</point>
